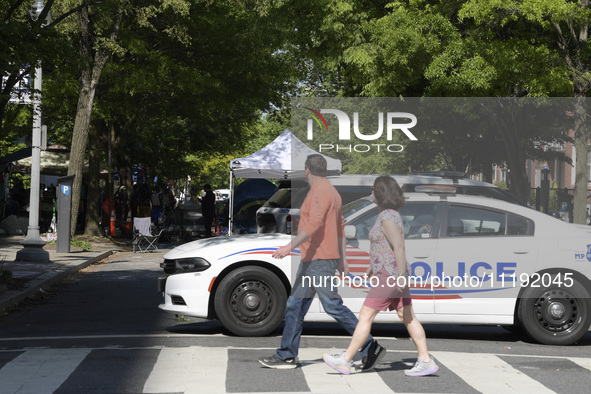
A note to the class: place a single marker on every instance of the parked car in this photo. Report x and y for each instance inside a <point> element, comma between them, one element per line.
<point>280,213</point>
<point>222,194</point>
<point>474,260</point>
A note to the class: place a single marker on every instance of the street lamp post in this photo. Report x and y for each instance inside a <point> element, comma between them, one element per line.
<point>33,244</point>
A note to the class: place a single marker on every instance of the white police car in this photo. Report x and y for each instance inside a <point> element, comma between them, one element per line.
<point>474,260</point>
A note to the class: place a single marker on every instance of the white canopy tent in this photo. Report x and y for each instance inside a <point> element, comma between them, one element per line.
<point>52,162</point>
<point>284,158</point>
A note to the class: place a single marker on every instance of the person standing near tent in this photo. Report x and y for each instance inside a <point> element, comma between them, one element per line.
<point>208,209</point>
<point>121,202</point>
<point>144,202</point>
<point>156,200</point>
<point>322,244</point>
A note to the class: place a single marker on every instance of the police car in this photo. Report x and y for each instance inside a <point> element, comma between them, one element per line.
<point>474,260</point>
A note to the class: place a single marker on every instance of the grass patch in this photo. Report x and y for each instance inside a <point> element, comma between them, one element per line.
<point>84,245</point>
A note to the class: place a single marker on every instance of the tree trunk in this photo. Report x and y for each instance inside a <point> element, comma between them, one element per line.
<point>487,174</point>
<point>581,165</point>
<point>573,44</point>
<point>507,125</point>
<point>518,180</point>
<point>93,211</point>
<point>89,79</point>
<point>79,139</point>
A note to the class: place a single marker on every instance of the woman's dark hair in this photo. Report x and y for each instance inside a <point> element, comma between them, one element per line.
<point>387,193</point>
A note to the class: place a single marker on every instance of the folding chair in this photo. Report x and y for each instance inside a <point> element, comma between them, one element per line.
<point>143,239</point>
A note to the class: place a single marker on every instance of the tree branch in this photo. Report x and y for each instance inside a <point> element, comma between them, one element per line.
<point>73,11</point>
<point>12,9</point>
<point>563,45</point>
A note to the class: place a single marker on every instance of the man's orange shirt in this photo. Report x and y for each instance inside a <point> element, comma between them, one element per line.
<point>321,217</point>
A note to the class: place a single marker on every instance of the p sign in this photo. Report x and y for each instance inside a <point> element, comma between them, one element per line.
<point>65,190</point>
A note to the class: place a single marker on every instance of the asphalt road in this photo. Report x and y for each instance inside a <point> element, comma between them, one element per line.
<point>104,327</point>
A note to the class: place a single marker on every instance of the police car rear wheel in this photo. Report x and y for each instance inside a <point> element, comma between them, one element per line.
<point>556,315</point>
<point>250,301</point>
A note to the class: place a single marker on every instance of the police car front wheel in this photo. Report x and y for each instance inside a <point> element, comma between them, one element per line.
<point>250,301</point>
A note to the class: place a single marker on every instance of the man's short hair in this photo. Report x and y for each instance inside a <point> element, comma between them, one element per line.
<point>316,164</point>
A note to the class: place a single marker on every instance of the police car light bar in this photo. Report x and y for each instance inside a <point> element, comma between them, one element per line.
<point>444,174</point>
<point>435,189</point>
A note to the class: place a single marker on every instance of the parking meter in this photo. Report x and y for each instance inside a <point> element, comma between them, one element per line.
<point>64,212</point>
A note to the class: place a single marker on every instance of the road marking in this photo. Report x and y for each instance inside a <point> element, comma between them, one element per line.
<point>40,370</point>
<point>487,373</point>
<point>201,369</point>
<point>189,370</point>
<point>319,376</point>
<point>110,337</point>
<point>208,371</point>
<point>170,371</point>
<point>323,379</point>
<point>583,362</point>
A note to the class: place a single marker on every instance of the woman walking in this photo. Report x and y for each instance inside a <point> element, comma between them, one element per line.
<point>389,289</point>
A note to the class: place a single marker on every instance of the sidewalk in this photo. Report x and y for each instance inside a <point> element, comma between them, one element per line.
<point>31,277</point>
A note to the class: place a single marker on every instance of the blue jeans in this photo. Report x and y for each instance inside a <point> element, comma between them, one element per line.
<point>299,302</point>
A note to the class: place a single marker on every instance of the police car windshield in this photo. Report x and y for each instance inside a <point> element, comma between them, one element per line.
<point>356,206</point>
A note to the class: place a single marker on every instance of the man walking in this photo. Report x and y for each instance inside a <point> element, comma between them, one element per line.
<point>322,244</point>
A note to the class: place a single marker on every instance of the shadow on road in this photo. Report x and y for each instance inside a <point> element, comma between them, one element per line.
<point>491,334</point>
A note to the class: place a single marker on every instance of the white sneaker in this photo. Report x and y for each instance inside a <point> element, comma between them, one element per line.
<point>338,363</point>
<point>422,368</point>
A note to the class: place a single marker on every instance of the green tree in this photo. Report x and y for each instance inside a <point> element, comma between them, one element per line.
<point>562,26</point>
<point>433,49</point>
<point>182,86</point>
<point>99,28</point>
<point>25,41</point>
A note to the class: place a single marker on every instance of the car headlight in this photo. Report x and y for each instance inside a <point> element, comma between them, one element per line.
<point>191,264</point>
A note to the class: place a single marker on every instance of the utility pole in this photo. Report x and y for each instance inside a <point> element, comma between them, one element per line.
<point>33,244</point>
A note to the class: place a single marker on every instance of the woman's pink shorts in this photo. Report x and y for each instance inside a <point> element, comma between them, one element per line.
<point>386,295</point>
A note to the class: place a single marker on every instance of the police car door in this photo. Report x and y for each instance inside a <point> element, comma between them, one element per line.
<point>478,253</point>
<point>420,229</point>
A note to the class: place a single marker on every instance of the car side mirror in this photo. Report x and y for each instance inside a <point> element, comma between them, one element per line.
<point>350,232</point>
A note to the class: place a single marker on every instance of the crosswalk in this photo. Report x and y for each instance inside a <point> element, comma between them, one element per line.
<point>203,369</point>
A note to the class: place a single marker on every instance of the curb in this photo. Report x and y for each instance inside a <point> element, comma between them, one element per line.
<point>51,277</point>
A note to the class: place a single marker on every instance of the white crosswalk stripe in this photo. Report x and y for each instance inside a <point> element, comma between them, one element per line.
<point>200,369</point>
<point>184,370</point>
<point>489,374</point>
<point>208,372</point>
<point>170,371</point>
<point>583,362</point>
<point>322,379</point>
<point>39,370</point>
